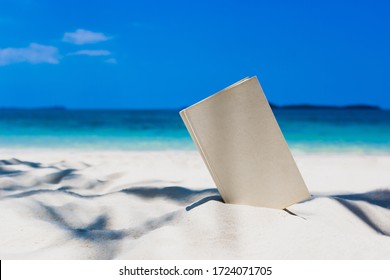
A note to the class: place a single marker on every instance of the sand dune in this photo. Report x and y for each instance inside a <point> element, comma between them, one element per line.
<point>163,205</point>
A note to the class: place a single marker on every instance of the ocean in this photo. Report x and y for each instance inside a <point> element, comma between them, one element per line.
<point>307,130</point>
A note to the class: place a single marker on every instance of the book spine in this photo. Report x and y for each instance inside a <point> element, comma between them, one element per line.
<point>198,145</point>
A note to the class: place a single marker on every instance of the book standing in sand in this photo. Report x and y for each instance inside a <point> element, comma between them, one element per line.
<point>244,148</point>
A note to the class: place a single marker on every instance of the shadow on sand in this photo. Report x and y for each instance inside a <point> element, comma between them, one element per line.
<point>189,198</point>
<point>175,193</point>
<point>378,198</point>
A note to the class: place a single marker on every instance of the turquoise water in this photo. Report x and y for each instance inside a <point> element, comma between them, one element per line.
<point>306,130</point>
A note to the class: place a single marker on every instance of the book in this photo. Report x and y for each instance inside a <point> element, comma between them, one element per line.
<point>243,147</point>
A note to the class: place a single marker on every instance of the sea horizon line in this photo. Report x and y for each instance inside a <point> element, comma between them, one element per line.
<point>298,106</point>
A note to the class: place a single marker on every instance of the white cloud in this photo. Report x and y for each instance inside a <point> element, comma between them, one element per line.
<point>92,52</point>
<point>82,36</point>
<point>111,61</point>
<point>34,54</point>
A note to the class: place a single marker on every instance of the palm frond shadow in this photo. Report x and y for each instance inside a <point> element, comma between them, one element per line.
<point>379,198</point>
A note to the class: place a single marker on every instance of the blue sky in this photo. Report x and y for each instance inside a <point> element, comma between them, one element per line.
<point>169,54</point>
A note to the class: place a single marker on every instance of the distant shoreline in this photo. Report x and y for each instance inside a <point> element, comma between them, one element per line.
<point>327,107</point>
<point>273,106</point>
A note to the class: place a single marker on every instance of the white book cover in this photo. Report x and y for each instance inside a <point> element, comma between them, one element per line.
<point>243,147</point>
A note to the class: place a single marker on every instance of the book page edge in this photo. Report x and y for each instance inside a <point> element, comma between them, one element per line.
<point>203,154</point>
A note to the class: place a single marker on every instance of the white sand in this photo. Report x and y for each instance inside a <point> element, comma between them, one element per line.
<point>163,205</point>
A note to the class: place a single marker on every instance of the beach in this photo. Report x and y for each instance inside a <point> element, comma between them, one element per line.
<point>118,119</point>
<point>162,204</point>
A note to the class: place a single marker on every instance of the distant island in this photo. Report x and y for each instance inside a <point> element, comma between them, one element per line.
<point>321,107</point>
<point>48,108</point>
<point>326,107</point>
